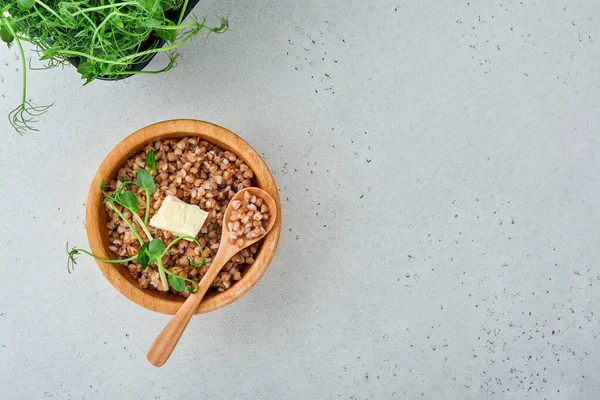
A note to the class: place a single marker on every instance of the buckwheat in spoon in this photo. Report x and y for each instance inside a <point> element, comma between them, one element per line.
<point>249,216</point>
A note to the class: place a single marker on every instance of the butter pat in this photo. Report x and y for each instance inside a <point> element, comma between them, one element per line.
<point>178,217</point>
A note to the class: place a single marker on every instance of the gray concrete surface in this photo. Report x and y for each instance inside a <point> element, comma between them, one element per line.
<point>440,177</point>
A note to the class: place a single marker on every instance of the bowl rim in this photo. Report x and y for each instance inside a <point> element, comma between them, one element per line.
<point>97,234</point>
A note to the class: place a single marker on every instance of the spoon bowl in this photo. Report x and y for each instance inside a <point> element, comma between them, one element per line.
<point>225,245</point>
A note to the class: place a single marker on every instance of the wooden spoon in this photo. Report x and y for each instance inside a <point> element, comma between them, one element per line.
<point>165,343</point>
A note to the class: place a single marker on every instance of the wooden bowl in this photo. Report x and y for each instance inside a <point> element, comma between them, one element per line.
<point>97,233</point>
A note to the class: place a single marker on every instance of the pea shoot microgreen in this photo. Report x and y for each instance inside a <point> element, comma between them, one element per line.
<point>146,182</point>
<point>156,250</point>
<point>151,159</point>
<point>130,201</point>
<point>74,252</point>
<point>143,258</point>
<point>176,283</point>
<point>153,250</point>
<point>105,38</point>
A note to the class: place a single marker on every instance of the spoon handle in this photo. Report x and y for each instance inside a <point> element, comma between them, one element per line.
<point>165,342</point>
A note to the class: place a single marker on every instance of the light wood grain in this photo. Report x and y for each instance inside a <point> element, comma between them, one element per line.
<point>119,276</point>
<point>165,342</point>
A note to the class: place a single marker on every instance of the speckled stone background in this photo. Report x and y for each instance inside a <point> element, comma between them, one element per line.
<point>440,176</point>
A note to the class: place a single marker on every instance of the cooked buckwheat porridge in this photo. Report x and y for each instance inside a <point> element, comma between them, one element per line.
<point>248,220</point>
<point>199,173</point>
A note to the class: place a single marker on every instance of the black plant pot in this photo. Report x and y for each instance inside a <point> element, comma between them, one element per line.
<point>153,42</point>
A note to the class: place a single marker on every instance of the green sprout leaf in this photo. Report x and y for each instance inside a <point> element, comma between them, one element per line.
<point>130,201</point>
<point>88,71</point>
<point>151,23</point>
<point>145,180</point>
<point>143,257</point>
<point>26,4</point>
<point>155,250</point>
<point>151,159</point>
<point>5,35</point>
<point>177,282</point>
<point>169,35</point>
